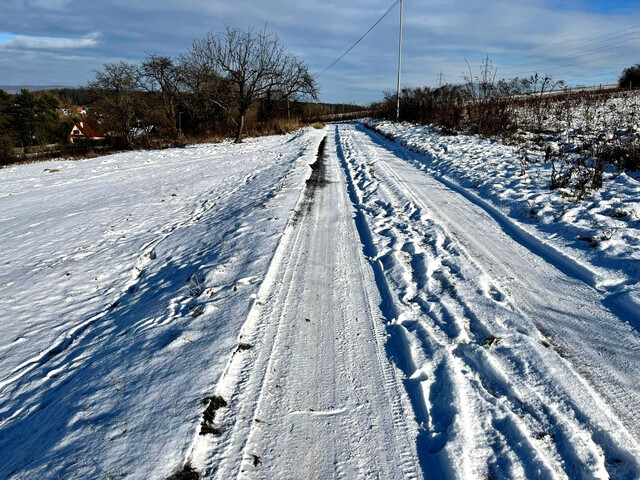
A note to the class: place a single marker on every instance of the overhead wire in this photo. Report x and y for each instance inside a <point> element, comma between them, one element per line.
<point>616,44</point>
<point>333,64</point>
<point>562,45</point>
<point>572,53</point>
<point>562,56</point>
<point>599,58</point>
<point>547,55</point>
<point>578,59</point>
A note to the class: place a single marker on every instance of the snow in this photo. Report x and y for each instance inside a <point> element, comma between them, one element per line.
<point>583,116</point>
<point>513,358</point>
<point>227,310</point>
<point>317,396</point>
<point>125,280</point>
<point>489,172</point>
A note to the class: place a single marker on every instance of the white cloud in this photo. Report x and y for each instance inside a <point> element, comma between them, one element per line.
<point>50,4</point>
<point>25,42</point>
<point>519,35</point>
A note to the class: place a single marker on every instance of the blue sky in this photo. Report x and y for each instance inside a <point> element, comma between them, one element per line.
<point>61,42</point>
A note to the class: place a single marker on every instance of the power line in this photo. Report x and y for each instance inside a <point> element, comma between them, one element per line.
<point>579,62</point>
<point>614,45</point>
<point>562,45</point>
<point>611,42</point>
<point>332,64</point>
<point>603,48</point>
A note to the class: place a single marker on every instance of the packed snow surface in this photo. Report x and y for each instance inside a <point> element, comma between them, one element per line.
<point>228,311</point>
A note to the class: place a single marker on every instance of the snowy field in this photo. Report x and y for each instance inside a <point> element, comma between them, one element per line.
<point>125,280</point>
<point>225,311</point>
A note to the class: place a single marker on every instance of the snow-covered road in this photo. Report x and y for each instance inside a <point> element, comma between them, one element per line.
<point>316,396</point>
<point>518,367</point>
<point>218,314</point>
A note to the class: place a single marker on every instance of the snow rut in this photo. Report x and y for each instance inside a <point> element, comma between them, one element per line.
<point>316,395</point>
<point>494,398</point>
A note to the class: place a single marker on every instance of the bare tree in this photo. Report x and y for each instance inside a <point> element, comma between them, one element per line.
<point>253,65</point>
<point>205,92</point>
<point>296,83</point>
<point>118,85</point>
<point>161,74</point>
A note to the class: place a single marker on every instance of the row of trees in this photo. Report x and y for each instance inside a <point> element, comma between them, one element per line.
<point>218,81</point>
<point>479,105</point>
<point>29,119</point>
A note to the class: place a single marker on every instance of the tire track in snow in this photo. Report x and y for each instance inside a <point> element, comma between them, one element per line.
<point>273,424</point>
<point>28,372</point>
<point>464,341</point>
<point>612,367</point>
<point>208,454</point>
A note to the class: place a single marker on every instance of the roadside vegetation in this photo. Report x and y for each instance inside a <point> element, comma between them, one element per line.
<point>580,133</point>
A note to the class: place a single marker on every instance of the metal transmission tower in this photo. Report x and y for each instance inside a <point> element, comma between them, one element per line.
<point>399,60</point>
<point>440,79</point>
<point>487,67</point>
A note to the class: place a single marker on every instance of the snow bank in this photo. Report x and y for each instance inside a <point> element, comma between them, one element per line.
<point>600,233</point>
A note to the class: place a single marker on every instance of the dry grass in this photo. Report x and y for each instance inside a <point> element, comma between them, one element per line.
<point>279,126</point>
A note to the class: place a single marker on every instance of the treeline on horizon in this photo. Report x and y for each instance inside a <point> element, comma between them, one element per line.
<point>230,83</point>
<point>489,107</point>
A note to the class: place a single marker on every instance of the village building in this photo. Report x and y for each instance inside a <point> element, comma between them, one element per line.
<point>82,131</point>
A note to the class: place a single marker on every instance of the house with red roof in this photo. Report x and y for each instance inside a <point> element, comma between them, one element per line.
<point>82,131</point>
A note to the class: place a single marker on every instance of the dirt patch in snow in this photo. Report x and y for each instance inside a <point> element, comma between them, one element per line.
<point>318,176</point>
<point>215,403</point>
<point>317,179</point>
<point>187,473</point>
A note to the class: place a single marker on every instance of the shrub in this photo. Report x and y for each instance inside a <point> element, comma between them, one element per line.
<point>630,77</point>
<point>7,152</point>
<point>625,156</point>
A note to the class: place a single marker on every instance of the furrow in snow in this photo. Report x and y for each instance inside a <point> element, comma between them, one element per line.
<point>484,381</point>
<point>316,395</point>
<point>123,395</point>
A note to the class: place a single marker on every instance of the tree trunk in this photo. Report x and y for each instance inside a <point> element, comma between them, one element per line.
<point>240,128</point>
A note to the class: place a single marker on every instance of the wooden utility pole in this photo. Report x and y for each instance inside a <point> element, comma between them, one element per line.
<point>399,61</point>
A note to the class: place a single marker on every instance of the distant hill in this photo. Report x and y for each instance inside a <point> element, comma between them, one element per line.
<point>32,88</point>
